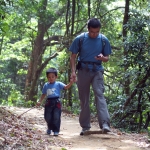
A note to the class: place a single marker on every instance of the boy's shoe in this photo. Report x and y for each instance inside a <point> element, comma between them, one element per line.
<point>48,131</point>
<point>84,130</point>
<point>105,128</point>
<point>56,133</point>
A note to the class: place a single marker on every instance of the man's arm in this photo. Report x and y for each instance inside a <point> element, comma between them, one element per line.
<point>73,66</point>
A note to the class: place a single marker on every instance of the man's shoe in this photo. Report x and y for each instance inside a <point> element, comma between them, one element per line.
<point>56,133</point>
<point>84,130</point>
<point>48,131</point>
<point>105,128</point>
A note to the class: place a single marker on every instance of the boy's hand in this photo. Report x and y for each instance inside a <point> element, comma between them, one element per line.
<point>38,104</point>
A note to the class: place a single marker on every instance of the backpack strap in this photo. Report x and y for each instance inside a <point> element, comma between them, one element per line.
<point>103,43</point>
<point>78,63</point>
<point>81,41</point>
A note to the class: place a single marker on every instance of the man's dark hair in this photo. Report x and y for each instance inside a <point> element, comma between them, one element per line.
<point>94,23</point>
<point>51,70</point>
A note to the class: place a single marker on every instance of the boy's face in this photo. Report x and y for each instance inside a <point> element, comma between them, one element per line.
<point>51,77</point>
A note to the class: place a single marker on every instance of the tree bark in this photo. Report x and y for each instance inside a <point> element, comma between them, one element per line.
<point>124,33</point>
<point>35,66</point>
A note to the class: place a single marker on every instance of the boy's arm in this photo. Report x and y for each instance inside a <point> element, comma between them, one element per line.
<point>69,85</point>
<point>41,99</point>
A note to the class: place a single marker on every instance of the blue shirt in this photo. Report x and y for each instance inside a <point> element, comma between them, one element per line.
<point>53,90</point>
<point>91,47</point>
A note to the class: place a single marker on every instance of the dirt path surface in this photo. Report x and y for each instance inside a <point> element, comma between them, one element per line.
<point>69,138</point>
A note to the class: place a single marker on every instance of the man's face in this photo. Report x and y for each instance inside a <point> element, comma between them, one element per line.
<point>93,32</point>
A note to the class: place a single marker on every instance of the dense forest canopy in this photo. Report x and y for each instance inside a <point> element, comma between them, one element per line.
<point>35,35</point>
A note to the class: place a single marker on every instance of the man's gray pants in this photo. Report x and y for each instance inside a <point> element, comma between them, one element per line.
<point>85,79</point>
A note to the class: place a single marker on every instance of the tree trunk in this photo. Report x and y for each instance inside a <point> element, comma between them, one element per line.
<point>124,32</point>
<point>35,61</point>
<point>35,66</point>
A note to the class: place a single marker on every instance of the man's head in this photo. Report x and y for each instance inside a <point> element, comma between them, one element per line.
<point>51,74</point>
<point>93,23</point>
<point>93,26</point>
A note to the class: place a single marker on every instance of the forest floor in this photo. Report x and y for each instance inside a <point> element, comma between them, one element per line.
<point>27,132</point>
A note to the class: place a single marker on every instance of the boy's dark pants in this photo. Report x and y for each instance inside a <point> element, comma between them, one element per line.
<point>52,114</point>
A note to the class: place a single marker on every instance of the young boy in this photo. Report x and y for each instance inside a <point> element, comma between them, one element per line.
<point>52,112</point>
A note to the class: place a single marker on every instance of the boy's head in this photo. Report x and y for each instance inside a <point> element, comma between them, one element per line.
<point>51,74</point>
<point>51,70</point>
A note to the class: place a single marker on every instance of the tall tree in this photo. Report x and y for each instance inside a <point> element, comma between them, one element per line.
<point>35,66</point>
<point>124,33</point>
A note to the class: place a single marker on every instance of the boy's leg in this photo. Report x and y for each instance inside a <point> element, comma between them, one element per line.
<point>48,117</point>
<point>56,119</point>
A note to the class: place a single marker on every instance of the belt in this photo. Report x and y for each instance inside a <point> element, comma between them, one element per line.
<point>53,98</point>
<point>90,62</point>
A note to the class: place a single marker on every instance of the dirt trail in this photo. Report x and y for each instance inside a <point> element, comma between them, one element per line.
<point>70,130</point>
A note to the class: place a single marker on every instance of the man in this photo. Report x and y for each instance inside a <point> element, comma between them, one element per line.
<point>93,50</point>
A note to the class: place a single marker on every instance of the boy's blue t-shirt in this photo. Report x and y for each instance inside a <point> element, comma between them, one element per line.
<point>91,47</point>
<point>53,90</point>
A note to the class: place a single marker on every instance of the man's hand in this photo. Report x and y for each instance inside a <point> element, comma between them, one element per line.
<point>71,80</point>
<point>73,77</point>
<point>73,68</point>
<point>102,57</point>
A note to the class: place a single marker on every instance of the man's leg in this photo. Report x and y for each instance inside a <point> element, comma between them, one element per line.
<point>83,83</point>
<point>100,101</point>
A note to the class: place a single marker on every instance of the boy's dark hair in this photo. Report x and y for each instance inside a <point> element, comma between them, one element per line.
<point>51,70</point>
<point>94,23</point>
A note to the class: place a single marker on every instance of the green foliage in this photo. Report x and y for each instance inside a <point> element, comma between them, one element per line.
<point>63,149</point>
<point>136,45</point>
<point>15,98</point>
<point>4,27</point>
